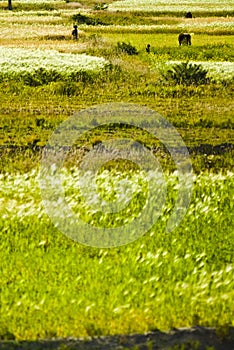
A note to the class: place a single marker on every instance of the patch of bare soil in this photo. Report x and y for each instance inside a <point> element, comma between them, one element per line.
<point>195,338</point>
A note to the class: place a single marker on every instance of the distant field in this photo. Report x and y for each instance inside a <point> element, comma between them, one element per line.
<point>173,6</point>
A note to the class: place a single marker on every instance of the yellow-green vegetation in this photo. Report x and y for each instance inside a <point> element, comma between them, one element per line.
<point>54,287</point>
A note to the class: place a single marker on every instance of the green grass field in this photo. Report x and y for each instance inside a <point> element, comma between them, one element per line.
<point>52,286</point>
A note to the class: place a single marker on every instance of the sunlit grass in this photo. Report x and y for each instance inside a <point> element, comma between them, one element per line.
<point>54,287</point>
<point>213,28</point>
<point>69,289</point>
<point>166,40</point>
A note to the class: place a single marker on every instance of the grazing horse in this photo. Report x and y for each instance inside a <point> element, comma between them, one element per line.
<point>188,15</point>
<point>184,38</point>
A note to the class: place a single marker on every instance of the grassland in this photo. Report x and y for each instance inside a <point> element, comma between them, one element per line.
<point>54,287</point>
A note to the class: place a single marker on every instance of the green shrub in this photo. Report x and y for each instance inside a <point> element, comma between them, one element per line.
<point>186,73</point>
<point>40,76</point>
<point>126,48</point>
<point>83,19</point>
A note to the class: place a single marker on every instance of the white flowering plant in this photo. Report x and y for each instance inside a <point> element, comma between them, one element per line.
<point>46,65</point>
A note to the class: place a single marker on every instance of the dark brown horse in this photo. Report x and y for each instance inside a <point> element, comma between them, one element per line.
<point>188,15</point>
<point>184,38</point>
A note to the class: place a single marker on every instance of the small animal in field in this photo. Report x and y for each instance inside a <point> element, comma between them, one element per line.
<point>188,15</point>
<point>184,38</point>
<point>148,48</point>
<point>75,32</point>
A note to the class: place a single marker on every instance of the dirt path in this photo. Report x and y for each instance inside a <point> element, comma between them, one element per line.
<point>196,338</point>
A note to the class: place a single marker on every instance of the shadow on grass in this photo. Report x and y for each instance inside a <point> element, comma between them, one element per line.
<point>199,338</point>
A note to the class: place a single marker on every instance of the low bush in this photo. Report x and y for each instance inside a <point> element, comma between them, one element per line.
<point>83,19</point>
<point>186,73</point>
<point>126,48</point>
<point>40,76</point>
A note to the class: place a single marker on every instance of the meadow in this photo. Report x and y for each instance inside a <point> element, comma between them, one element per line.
<point>52,286</point>
<point>173,6</point>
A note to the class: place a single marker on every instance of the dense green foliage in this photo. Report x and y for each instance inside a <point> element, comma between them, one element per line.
<point>186,74</point>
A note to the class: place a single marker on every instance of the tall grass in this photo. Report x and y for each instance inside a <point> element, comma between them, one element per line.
<point>54,287</point>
